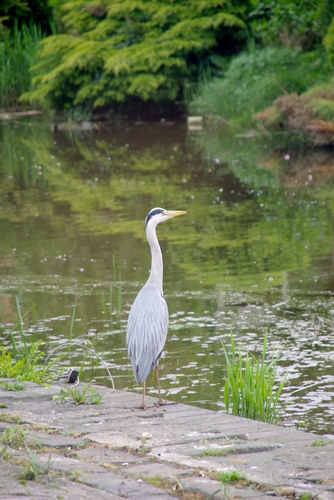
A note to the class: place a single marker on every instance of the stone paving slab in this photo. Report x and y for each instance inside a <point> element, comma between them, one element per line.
<point>47,488</point>
<point>115,450</point>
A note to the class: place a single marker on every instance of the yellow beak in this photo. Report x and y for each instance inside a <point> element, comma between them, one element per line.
<point>174,213</point>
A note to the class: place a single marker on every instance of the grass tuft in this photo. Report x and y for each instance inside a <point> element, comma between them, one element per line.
<point>23,361</point>
<point>321,442</point>
<point>87,395</point>
<point>231,476</point>
<point>250,385</point>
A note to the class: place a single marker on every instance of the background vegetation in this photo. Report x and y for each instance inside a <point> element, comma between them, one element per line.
<point>226,57</point>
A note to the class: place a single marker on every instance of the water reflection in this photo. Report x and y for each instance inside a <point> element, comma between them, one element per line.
<point>254,254</point>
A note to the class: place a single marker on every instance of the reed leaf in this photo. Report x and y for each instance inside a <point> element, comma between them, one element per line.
<point>250,389</point>
<point>18,52</point>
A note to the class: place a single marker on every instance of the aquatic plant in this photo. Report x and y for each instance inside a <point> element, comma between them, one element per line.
<point>17,54</point>
<point>23,360</point>
<point>250,384</point>
<point>114,304</point>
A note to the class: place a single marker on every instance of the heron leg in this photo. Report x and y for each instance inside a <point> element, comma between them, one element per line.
<point>143,406</point>
<point>160,402</point>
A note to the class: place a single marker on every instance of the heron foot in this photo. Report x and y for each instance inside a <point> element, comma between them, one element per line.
<point>165,403</point>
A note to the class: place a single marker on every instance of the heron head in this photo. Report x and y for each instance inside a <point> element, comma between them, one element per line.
<point>158,215</point>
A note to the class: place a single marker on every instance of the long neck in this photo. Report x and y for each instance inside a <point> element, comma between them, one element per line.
<point>156,273</point>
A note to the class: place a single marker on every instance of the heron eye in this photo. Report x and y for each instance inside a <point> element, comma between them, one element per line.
<point>152,213</point>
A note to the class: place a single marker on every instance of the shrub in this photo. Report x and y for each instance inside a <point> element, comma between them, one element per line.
<point>15,13</point>
<point>254,80</point>
<point>310,114</point>
<point>289,23</point>
<point>322,108</point>
<point>115,51</point>
<point>328,42</point>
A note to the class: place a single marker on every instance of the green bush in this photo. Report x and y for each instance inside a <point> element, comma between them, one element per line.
<point>117,51</point>
<point>322,108</point>
<point>254,80</point>
<point>289,23</point>
<point>328,42</point>
<point>17,13</point>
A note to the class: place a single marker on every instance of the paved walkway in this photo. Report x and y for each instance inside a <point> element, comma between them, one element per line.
<point>113,451</point>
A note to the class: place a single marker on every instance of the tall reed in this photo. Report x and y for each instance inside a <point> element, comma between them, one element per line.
<point>114,305</point>
<point>18,52</point>
<point>250,388</point>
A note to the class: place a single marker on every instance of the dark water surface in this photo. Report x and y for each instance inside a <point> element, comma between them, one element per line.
<point>254,254</point>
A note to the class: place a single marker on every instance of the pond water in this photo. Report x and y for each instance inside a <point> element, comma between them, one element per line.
<point>254,255</point>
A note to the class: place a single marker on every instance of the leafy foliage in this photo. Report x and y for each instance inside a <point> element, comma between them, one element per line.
<point>134,49</point>
<point>322,108</point>
<point>255,79</point>
<point>15,13</point>
<point>295,23</point>
<point>328,42</point>
<point>25,367</point>
<point>13,436</point>
<point>311,114</point>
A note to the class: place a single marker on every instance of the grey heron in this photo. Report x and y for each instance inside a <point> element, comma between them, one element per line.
<point>148,317</point>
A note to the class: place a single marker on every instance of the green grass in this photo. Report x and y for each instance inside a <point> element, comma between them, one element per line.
<point>11,386</point>
<point>13,436</point>
<point>86,395</point>
<point>321,442</point>
<point>231,476</point>
<point>24,360</point>
<point>171,484</point>
<point>249,389</point>
<point>213,452</point>
<point>10,418</point>
<point>17,55</point>
<point>32,470</point>
<point>25,364</point>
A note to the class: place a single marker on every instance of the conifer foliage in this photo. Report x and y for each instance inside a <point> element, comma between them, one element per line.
<point>112,51</point>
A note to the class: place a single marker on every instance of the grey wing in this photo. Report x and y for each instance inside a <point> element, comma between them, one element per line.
<point>146,331</point>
